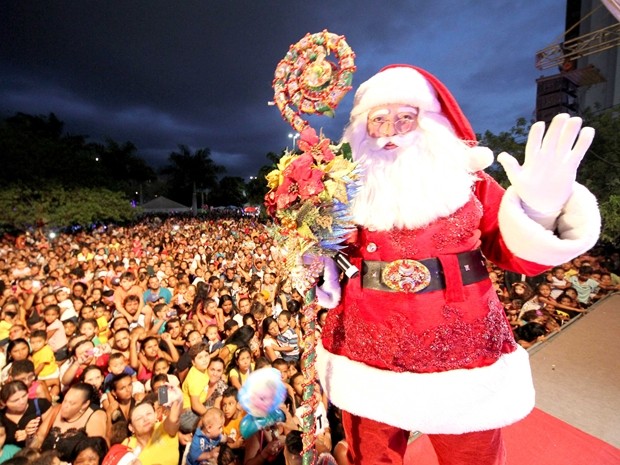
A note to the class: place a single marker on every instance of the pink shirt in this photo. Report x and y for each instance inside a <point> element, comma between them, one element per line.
<point>59,339</point>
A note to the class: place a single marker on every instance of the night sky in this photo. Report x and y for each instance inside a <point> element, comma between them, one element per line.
<point>162,73</point>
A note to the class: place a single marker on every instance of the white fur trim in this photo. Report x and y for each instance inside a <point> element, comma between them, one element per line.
<point>479,158</point>
<point>396,85</point>
<point>450,402</point>
<point>578,228</point>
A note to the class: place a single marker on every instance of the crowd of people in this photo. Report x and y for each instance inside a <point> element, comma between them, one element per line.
<point>130,344</point>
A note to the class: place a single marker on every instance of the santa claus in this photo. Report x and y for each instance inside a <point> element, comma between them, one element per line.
<point>418,341</point>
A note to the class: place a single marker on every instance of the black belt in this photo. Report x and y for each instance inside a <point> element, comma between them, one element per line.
<point>427,274</point>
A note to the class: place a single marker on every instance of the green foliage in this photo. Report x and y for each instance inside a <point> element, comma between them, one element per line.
<point>230,191</point>
<point>600,169</point>
<point>512,142</point>
<point>256,188</point>
<point>55,206</point>
<point>187,171</point>
<point>35,152</point>
<point>610,213</point>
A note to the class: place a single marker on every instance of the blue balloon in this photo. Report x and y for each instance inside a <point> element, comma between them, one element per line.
<point>251,424</point>
<point>262,392</point>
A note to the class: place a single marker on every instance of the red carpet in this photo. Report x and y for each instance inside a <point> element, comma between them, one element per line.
<point>538,439</point>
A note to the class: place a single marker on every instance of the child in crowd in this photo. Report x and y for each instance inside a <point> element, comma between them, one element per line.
<point>284,368</point>
<point>529,334</point>
<point>102,322</point>
<point>56,335</point>
<point>161,313</point>
<point>207,437</point>
<point>117,364</point>
<point>585,286</point>
<point>213,340</point>
<point>287,338</point>
<point>45,366</point>
<point>240,367</point>
<point>196,383</point>
<point>93,375</point>
<point>86,312</point>
<point>70,328</point>
<point>89,329</point>
<point>557,281</point>
<point>162,367</point>
<point>128,287</point>
<point>233,415</point>
<point>7,319</point>
<point>23,370</point>
<point>230,327</point>
<point>67,310</point>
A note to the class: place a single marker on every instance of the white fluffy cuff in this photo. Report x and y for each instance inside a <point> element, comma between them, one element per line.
<point>451,402</point>
<point>578,228</point>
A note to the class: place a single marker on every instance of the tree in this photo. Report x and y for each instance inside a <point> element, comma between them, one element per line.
<point>189,171</point>
<point>512,142</point>
<point>600,170</point>
<point>256,188</point>
<point>124,169</point>
<point>230,191</point>
<point>57,207</point>
<point>36,152</point>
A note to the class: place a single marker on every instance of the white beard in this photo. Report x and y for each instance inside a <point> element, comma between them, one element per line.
<point>412,186</point>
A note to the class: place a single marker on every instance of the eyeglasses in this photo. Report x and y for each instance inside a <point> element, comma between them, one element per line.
<point>402,124</point>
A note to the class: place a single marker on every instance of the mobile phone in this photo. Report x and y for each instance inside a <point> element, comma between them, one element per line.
<point>162,395</point>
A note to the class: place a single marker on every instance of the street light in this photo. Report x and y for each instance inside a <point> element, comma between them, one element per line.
<point>294,137</point>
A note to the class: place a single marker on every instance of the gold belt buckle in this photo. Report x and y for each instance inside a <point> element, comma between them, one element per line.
<point>406,275</point>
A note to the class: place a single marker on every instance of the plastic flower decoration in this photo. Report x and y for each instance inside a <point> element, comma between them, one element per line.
<point>309,200</point>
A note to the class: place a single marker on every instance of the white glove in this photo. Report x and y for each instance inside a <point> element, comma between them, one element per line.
<point>545,181</point>
<point>328,294</point>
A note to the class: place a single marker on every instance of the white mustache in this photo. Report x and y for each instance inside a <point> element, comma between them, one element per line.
<point>400,140</point>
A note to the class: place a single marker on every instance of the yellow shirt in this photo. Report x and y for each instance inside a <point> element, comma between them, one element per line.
<point>232,427</point>
<point>161,449</point>
<point>5,326</point>
<point>196,384</point>
<point>102,323</point>
<point>45,355</point>
<point>234,373</point>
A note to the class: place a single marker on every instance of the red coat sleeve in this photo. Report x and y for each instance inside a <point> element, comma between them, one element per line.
<point>490,194</point>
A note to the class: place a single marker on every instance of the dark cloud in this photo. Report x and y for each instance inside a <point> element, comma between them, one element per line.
<point>199,73</point>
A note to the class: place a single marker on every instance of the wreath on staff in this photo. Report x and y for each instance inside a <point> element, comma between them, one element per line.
<point>307,80</point>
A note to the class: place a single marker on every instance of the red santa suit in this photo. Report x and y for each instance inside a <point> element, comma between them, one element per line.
<point>442,360</point>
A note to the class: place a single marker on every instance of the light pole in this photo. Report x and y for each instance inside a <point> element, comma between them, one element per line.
<point>294,137</point>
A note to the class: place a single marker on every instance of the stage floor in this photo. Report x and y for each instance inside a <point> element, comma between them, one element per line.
<point>577,372</point>
<point>577,417</point>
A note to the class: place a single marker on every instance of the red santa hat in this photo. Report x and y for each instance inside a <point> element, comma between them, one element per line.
<point>410,85</point>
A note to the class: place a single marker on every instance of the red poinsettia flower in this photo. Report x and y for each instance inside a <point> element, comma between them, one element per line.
<point>309,142</point>
<point>301,180</point>
<point>271,203</point>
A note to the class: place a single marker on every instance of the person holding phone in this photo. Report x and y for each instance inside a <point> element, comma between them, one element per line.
<point>153,441</point>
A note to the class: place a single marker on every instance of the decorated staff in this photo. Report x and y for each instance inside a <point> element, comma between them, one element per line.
<point>310,192</point>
